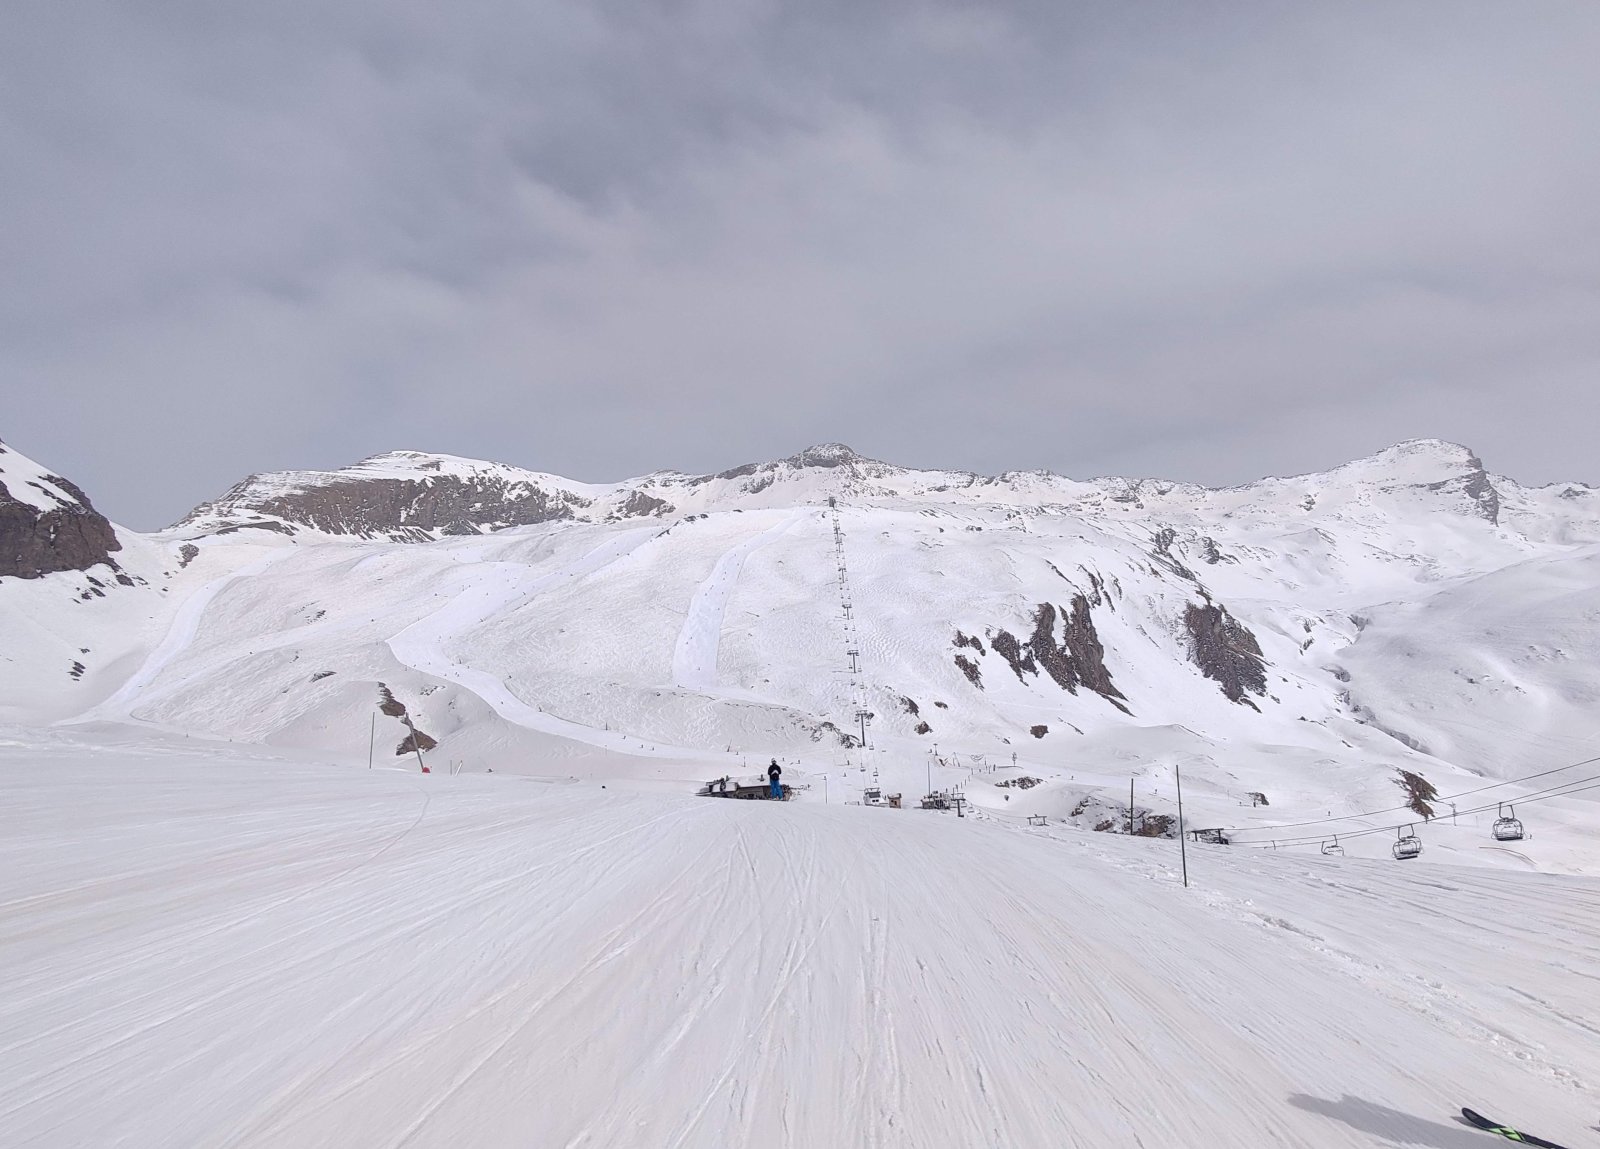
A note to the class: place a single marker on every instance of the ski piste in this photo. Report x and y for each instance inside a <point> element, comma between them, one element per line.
<point>1506,1131</point>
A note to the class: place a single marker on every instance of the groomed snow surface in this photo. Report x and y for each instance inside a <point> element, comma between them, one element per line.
<point>205,945</point>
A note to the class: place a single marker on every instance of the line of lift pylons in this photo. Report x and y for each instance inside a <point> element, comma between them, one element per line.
<point>1507,828</point>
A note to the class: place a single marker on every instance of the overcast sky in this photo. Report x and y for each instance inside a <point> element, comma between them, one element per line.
<point>1206,241</point>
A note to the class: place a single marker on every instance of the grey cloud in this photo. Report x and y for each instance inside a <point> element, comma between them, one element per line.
<point>1209,241</point>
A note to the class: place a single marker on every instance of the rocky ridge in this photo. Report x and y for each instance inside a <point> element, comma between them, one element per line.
<point>411,496</point>
<point>47,524</point>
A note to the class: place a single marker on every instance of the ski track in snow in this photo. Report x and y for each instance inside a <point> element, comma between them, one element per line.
<point>180,635</point>
<point>248,954</point>
<point>496,588</point>
<point>694,658</point>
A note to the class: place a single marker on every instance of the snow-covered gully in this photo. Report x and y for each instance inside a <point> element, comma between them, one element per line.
<point>496,589</point>
<point>180,635</point>
<point>694,658</point>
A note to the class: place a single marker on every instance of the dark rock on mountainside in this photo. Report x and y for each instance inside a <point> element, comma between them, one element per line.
<point>1079,658</point>
<point>1076,659</point>
<point>1474,485</point>
<point>415,739</point>
<point>414,742</point>
<point>401,509</point>
<point>67,535</point>
<point>1161,549</point>
<point>1419,792</point>
<point>822,456</point>
<point>638,505</point>
<point>1226,651</point>
<point>828,456</point>
<point>1017,655</point>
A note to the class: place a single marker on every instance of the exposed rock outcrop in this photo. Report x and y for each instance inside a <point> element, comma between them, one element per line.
<point>827,455</point>
<point>385,506</point>
<point>415,739</point>
<point>1474,485</point>
<point>638,505</point>
<point>1075,659</point>
<point>1078,659</point>
<point>1419,792</point>
<point>47,524</point>
<point>1226,651</point>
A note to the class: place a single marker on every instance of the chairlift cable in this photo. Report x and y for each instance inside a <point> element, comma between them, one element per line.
<point>1537,796</point>
<point>1405,806</point>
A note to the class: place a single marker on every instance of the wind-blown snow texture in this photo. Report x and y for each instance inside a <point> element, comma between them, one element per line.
<point>223,933</point>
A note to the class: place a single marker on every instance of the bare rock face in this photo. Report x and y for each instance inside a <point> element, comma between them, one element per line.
<point>402,497</point>
<point>823,456</point>
<point>1226,651</point>
<point>828,456</point>
<point>1474,486</point>
<point>1079,658</point>
<point>415,739</point>
<point>639,505</point>
<point>1076,659</point>
<point>47,524</point>
<point>404,507</point>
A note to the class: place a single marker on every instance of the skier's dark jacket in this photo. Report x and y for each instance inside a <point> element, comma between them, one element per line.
<point>773,771</point>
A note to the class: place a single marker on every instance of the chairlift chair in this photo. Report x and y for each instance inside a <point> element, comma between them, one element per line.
<point>1333,849</point>
<point>1506,826</point>
<point>1407,845</point>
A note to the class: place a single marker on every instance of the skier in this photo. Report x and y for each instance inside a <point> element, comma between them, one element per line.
<point>773,773</point>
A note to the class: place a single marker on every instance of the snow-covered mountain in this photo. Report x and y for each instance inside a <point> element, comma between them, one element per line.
<point>1305,639</point>
<point>413,496</point>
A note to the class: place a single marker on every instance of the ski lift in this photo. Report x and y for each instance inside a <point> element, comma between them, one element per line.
<point>1506,826</point>
<point>1333,849</point>
<point>1408,845</point>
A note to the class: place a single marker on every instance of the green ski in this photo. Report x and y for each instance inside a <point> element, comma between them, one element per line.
<point>1506,1131</point>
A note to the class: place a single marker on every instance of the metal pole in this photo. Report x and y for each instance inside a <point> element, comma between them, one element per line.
<point>1130,807</point>
<point>416,744</point>
<point>372,741</point>
<point>1183,849</point>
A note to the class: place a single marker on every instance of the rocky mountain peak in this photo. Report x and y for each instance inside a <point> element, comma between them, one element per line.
<point>406,496</point>
<point>1440,466</point>
<point>46,523</point>
<point>827,455</point>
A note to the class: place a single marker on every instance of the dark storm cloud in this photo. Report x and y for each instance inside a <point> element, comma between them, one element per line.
<point>1207,241</point>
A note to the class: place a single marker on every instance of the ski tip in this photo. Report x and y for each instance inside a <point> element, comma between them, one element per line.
<point>1508,1133</point>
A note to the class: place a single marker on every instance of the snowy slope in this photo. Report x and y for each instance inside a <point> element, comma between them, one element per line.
<point>206,947</point>
<point>1266,638</point>
<point>1517,649</point>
